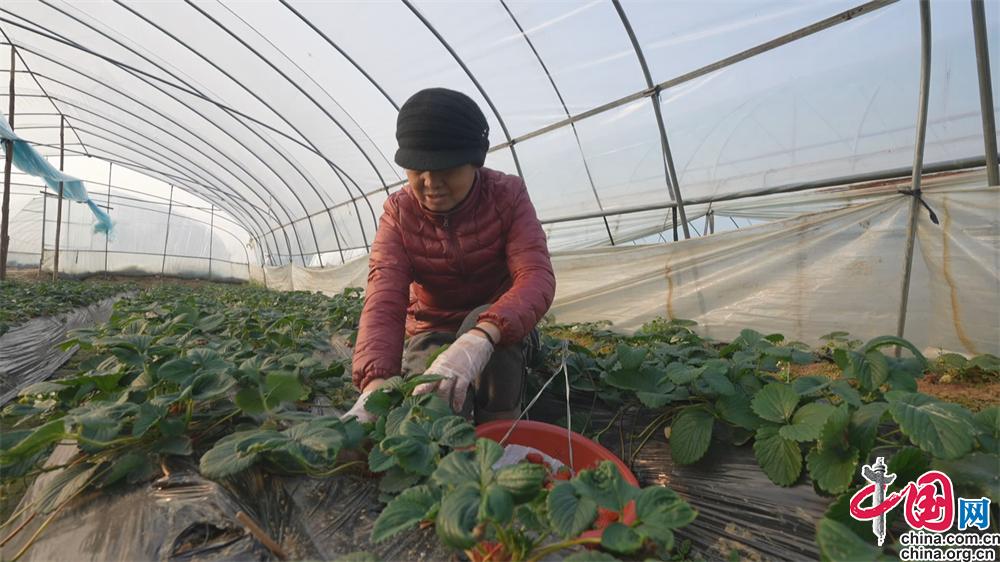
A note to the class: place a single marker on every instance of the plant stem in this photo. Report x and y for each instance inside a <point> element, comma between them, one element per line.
<point>656,423</point>
<point>335,471</point>
<point>543,552</point>
<point>38,532</point>
<point>18,529</point>
<point>614,418</point>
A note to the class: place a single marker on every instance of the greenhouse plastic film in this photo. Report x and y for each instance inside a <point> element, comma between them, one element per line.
<point>807,276</point>
<point>29,352</point>
<point>183,516</point>
<point>179,517</point>
<point>837,265</point>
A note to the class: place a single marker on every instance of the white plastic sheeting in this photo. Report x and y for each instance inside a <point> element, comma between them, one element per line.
<point>838,269</point>
<point>279,117</point>
<point>282,114</point>
<point>200,241</point>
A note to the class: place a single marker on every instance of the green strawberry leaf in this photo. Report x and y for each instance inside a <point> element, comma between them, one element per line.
<point>621,539</point>
<point>837,542</point>
<point>780,458</point>
<point>736,410</point>
<point>943,430</point>
<point>864,425</point>
<point>807,422</point>
<point>775,402</point>
<point>457,516</point>
<point>807,386</point>
<point>496,504</point>
<point>662,509</point>
<point>569,511</point>
<point>832,470</point>
<point>691,435</point>
<point>522,480</point>
<point>846,392</point>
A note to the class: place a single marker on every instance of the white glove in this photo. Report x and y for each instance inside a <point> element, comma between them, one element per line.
<point>460,365</point>
<point>358,410</point>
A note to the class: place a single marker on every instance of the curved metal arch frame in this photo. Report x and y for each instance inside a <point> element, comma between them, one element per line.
<point>167,71</point>
<point>154,200</point>
<point>562,102</point>
<point>143,76</point>
<point>123,94</point>
<point>264,211</point>
<point>202,180</point>
<point>134,206</point>
<point>119,108</point>
<point>836,19</point>
<point>62,115</point>
<point>203,171</point>
<point>149,76</point>
<point>161,114</point>
<point>301,90</point>
<point>670,173</point>
<point>40,87</point>
<point>472,77</point>
<point>290,60</point>
<point>125,162</point>
<point>844,16</point>
<point>261,211</point>
<point>343,53</point>
<point>338,171</point>
<point>187,183</point>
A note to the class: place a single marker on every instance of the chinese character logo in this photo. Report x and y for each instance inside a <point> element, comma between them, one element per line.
<point>878,482</point>
<point>973,513</point>
<point>930,502</point>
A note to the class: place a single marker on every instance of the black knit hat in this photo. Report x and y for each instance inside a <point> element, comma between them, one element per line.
<point>439,128</point>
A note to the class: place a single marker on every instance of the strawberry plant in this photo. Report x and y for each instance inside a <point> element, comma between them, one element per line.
<point>21,301</point>
<point>508,514</point>
<point>225,376</point>
<point>412,434</point>
<point>821,426</point>
<point>216,373</point>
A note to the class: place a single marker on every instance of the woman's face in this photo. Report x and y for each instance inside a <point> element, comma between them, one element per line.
<point>442,190</point>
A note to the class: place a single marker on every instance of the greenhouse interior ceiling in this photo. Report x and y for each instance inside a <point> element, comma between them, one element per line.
<point>254,140</point>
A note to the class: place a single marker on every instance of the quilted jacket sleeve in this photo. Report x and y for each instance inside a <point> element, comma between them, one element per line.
<point>379,349</point>
<point>518,310</point>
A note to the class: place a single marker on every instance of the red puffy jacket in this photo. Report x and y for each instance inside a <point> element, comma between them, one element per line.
<point>428,270</point>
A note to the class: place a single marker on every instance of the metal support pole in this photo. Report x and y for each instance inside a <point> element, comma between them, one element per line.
<point>166,236</point>
<point>106,234</point>
<point>710,220</point>
<point>5,210</point>
<point>918,158</point>
<point>669,172</point>
<point>211,239</point>
<point>41,250</point>
<point>62,156</point>
<point>673,211</point>
<point>985,90</point>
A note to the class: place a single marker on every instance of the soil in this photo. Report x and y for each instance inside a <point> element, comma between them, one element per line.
<point>975,395</point>
<point>144,280</point>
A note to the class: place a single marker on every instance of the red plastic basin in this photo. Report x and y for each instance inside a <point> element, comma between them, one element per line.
<point>551,439</point>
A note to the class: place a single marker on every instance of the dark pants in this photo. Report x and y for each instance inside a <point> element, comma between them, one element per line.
<point>497,394</point>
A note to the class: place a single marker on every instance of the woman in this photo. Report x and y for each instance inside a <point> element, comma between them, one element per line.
<point>459,258</point>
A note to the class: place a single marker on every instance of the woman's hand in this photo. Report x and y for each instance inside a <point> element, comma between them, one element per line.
<point>460,364</point>
<point>358,409</point>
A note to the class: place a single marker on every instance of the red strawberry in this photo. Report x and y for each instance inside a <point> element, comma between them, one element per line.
<point>489,550</point>
<point>628,514</point>
<point>563,473</point>
<point>605,517</point>
<point>535,458</point>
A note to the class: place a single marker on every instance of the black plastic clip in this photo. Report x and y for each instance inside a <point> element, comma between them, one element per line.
<point>916,194</point>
